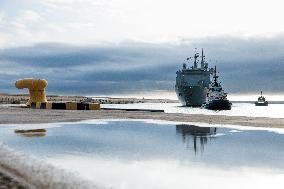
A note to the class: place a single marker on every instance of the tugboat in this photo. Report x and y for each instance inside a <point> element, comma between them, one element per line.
<point>217,98</point>
<point>261,101</point>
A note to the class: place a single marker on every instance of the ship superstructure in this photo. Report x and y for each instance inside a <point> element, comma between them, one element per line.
<point>192,82</point>
<point>261,101</point>
<point>217,98</point>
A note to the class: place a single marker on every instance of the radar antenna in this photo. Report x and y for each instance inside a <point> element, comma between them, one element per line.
<point>196,55</point>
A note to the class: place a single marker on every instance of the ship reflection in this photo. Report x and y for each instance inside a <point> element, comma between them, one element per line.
<point>195,133</point>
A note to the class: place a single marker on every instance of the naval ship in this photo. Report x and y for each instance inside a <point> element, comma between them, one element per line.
<point>192,83</point>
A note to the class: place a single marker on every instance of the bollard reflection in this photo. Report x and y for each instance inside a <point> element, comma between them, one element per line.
<point>31,132</point>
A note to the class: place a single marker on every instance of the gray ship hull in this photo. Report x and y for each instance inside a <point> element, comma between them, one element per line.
<point>191,95</point>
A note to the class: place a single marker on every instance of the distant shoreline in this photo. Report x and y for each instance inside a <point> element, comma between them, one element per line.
<point>270,102</point>
<point>23,98</point>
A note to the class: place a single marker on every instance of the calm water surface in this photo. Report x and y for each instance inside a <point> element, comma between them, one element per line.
<point>136,154</point>
<point>238,109</point>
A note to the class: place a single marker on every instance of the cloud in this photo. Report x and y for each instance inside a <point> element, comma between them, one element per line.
<point>91,70</point>
<point>30,16</point>
<point>82,22</point>
<point>245,65</point>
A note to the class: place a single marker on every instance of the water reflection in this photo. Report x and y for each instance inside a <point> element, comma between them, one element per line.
<point>136,154</point>
<point>195,133</point>
<point>31,132</point>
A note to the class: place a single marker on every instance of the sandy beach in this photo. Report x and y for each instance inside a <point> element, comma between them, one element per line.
<point>17,115</point>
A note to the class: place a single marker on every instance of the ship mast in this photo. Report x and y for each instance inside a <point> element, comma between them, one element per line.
<point>196,55</point>
<point>202,59</point>
<point>215,75</point>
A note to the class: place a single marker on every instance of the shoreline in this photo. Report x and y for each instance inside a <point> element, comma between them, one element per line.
<point>23,98</point>
<point>17,115</point>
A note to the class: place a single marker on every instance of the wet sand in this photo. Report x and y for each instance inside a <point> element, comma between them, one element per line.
<point>21,171</point>
<point>8,182</point>
<point>17,115</point>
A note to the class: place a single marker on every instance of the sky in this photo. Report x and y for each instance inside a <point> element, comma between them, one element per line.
<point>107,47</point>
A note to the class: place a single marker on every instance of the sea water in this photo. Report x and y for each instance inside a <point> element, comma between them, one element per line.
<point>238,109</point>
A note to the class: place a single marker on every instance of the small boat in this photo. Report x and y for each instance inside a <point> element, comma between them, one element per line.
<point>217,98</point>
<point>261,101</point>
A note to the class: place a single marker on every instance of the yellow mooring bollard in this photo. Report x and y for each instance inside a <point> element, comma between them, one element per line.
<point>36,89</point>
